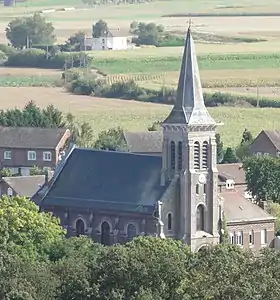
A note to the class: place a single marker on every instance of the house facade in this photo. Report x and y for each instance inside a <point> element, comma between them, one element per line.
<point>266,143</point>
<point>114,196</point>
<point>111,40</point>
<point>22,148</point>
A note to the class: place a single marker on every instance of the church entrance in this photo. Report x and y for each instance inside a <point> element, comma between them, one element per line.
<point>105,234</point>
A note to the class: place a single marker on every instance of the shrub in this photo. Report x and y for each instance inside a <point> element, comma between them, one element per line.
<point>7,49</point>
<point>38,58</point>
<point>3,57</point>
<point>26,58</point>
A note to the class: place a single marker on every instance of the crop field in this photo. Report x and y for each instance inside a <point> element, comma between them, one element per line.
<point>136,116</point>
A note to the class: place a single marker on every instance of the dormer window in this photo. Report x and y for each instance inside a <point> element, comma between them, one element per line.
<point>229,184</point>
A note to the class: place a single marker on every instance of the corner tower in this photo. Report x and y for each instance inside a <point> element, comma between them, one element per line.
<point>189,152</point>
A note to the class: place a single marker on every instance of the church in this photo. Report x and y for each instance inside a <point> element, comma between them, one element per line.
<point>115,196</point>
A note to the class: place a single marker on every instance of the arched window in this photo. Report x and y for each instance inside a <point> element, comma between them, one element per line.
<point>105,233</point>
<point>80,227</point>
<point>131,232</point>
<point>196,155</point>
<point>180,151</point>
<point>169,221</point>
<point>205,155</point>
<point>172,155</point>
<point>200,218</point>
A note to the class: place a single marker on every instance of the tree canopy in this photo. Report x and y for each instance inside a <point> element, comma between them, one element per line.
<point>263,177</point>
<point>99,29</point>
<point>23,228</point>
<point>33,30</point>
<point>32,116</point>
<point>112,140</point>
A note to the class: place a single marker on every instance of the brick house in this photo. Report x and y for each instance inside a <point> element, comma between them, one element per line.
<point>179,192</point>
<point>21,148</point>
<point>266,143</point>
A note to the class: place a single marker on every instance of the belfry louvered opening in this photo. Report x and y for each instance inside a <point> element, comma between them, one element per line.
<point>205,155</point>
<point>196,155</point>
<point>173,154</point>
<point>180,151</point>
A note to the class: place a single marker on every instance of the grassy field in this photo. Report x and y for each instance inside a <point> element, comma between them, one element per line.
<point>136,116</point>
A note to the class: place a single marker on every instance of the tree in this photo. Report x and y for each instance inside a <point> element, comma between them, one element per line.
<point>32,116</point>
<point>81,134</point>
<point>158,277</point>
<point>35,170</point>
<point>219,273</point>
<point>75,42</point>
<point>35,30</point>
<point>147,34</point>
<point>99,29</point>
<point>243,150</point>
<point>220,150</point>
<point>246,137</point>
<point>263,177</point>
<point>230,156</point>
<point>24,229</point>
<point>5,172</point>
<point>111,140</point>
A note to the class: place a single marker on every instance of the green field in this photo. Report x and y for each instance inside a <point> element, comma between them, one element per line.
<point>172,63</point>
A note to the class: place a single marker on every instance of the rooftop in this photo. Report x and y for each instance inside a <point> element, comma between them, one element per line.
<point>30,137</point>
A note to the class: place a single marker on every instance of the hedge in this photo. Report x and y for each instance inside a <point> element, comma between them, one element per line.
<point>79,83</point>
<point>38,58</point>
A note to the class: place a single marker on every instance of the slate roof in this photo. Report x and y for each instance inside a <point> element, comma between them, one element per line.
<point>30,137</point>
<point>144,142</point>
<point>239,209</point>
<point>189,106</point>
<point>274,136</point>
<point>232,171</point>
<point>107,180</point>
<point>25,186</point>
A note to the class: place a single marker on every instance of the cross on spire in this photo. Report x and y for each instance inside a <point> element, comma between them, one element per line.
<point>190,22</point>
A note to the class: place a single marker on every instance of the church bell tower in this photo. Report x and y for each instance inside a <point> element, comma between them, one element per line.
<point>189,152</point>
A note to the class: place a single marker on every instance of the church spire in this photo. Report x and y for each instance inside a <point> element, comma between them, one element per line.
<point>189,107</point>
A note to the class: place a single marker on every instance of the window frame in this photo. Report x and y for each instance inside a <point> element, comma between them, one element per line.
<point>251,237</point>
<point>169,221</point>
<point>29,155</point>
<point>47,153</point>
<point>239,240</point>
<point>8,157</point>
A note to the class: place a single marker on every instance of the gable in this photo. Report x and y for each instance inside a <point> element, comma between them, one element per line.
<point>107,180</point>
<point>266,141</point>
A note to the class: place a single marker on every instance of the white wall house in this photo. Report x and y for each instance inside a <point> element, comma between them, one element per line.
<point>110,41</point>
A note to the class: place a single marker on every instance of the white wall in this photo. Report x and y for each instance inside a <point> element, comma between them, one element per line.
<point>114,43</point>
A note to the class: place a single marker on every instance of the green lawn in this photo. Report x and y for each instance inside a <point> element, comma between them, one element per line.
<point>172,63</point>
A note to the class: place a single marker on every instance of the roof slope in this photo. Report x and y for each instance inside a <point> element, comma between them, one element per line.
<point>144,142</point>
<point>232,171</point>
<point>30,137</point>
<point>274,136</point>
<point>25,186</point>
<point>189,106</point>
<point>109,180</point>
<point>239,209</point>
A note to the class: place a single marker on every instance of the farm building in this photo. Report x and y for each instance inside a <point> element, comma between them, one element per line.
<point>112,40</point>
